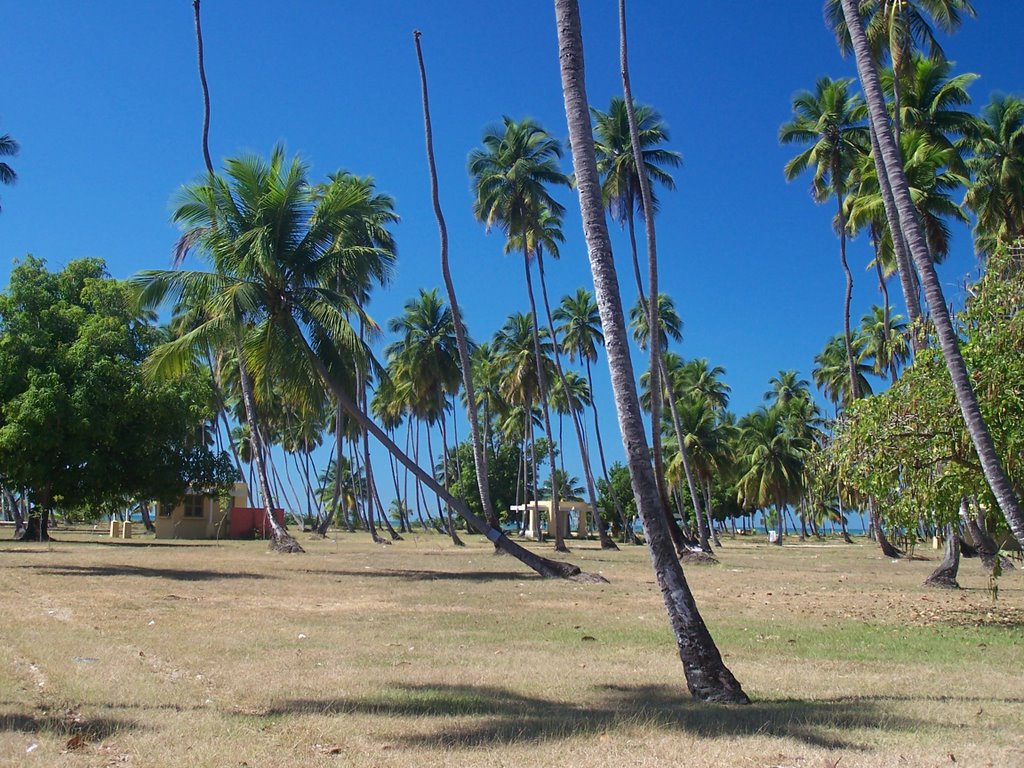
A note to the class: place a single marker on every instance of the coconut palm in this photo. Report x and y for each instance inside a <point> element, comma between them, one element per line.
<point>671,323</point>
<point>511,175</point>
<point>579,326</point>
<point>883,341</point>
<point>774,459</point>
<point>996,194</point>
<point>889,166</point>
<point>700,379</point>
<point>831,121</point>
<point>786,387</point>
<point>8,148</point>
<point>707,676</point>
<point>832,376</point>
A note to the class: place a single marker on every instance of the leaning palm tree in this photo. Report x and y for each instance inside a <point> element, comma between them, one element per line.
<point>831,121</point>
<point>890,166</point>
<point>512,174</point>
<point>8,148</point>
<point>707,676</point>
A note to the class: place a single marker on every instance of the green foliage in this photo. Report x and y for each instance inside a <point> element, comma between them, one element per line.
<point>620,481</point>
<point>503,468</point>
<point>79,425</point>
<point>908,446</point>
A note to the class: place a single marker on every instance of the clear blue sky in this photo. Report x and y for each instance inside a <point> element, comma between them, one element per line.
<point>104,98</point>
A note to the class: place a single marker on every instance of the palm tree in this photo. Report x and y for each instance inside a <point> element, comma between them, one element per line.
<point>616,163</point>
<point>786,387</point>
<point>831,120</point>
<point>698,378</point>
<point>832,376</point>
<point>671,323</point>
<point>512,173</point>
<point>996,195</point>
<point>889,166</point>
<point>884,341</point>
<point>707,676</point>
<point>899,27</point>
<point>580,330</point>
<point>8,148</point>
<point>426,358</point>
<point>774,458</point>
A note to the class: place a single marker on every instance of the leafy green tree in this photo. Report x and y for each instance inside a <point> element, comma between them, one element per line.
<point>80,427</point>
<point>903,217</point>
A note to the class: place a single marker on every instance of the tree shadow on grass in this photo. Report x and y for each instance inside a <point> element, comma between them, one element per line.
<point>90,728</point>
<point>175,574</point>
<point>496,715</point>
<point>428,575</point>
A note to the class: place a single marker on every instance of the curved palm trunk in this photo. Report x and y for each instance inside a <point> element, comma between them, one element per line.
<point>543,566</point>
<point>281,540</point>
<point>479,454</point>
<point>555,518</point>
<point>206,89</point>
<point>847,298</point>
<point>706,675</point>
<point>606,543</point>
<point>888,163</point>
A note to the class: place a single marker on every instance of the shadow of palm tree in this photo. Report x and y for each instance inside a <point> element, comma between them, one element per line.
<point>93,729</point>
<point>175,574</point>
<point>498,715</point>
<point>428,575</point>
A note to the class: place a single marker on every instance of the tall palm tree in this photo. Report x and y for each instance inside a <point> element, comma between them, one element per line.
<point>579,326</point>
<point>511,175</point>
<point>707,676</point>
<point>996,194</point>
<point>698,378</point>
<point>8,148</point>
<point>786,387</point>
<point>831,121</point>
<point>616,163</point>
<point>889,165</point>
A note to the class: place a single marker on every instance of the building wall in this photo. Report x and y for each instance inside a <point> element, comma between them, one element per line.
<point>211,522</point>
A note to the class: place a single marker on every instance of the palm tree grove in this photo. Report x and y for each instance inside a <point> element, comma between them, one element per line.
<point>376,382</point>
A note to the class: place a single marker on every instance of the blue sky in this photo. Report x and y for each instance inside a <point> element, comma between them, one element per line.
<point>104,98</point>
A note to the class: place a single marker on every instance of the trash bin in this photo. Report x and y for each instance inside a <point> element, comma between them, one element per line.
<point>773,536</point>
<point>116,529</point>
<point>126,531</point>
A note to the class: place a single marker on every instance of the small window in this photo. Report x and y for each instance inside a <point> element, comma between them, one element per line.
<point>193,505</point>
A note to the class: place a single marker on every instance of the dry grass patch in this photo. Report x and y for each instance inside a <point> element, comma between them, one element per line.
<point>221,654</point>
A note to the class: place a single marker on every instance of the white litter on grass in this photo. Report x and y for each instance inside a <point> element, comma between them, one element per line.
<point>152,622</point>
<point>31,748</point>
<point>301,636</point>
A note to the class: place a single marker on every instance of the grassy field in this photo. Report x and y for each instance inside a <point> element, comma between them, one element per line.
<point>419,654</point>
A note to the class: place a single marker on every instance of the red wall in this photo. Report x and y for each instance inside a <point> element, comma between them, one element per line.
<point>251,522</point>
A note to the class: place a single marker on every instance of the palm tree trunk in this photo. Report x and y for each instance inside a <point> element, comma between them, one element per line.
<point>206,89</point>
<point>888,163</point>
<point>606,543</point>
<point>479,455</point>
<point>281,540</point>
<point>555,518</point>
<point>707,677</point>
<point>627,532</point>
<point>444,462</point>
<point>543,566</point>
<point>847,299</point>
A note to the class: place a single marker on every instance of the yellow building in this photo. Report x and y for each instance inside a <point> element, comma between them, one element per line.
<point>199,516</point>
